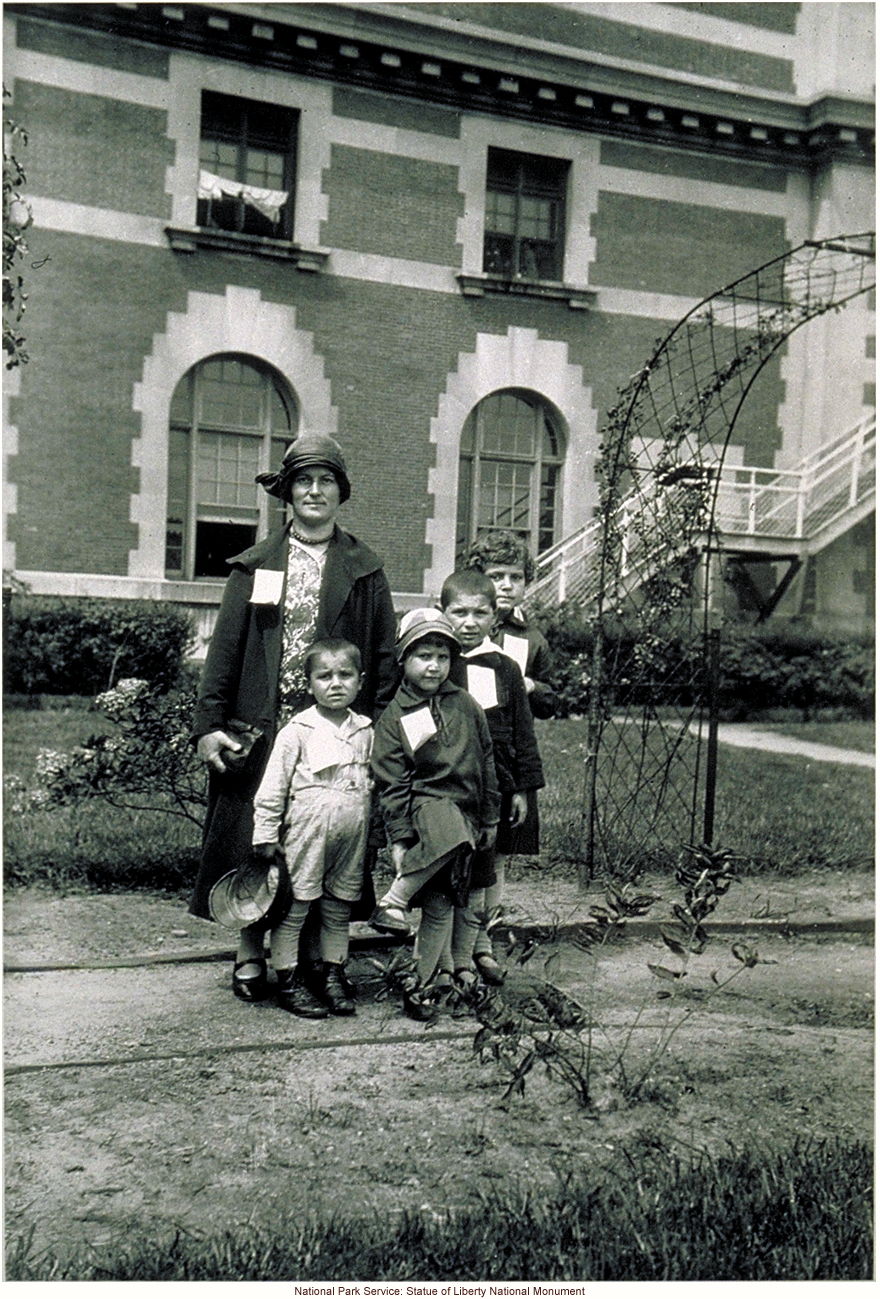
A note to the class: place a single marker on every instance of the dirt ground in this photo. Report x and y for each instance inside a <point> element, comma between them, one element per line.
<point>145,1099</point>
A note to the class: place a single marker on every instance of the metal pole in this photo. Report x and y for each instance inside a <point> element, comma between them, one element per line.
<point>591,760</point>
<point>714,667</point>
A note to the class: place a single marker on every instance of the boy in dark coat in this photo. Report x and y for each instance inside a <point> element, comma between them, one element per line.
<point>495,681</point>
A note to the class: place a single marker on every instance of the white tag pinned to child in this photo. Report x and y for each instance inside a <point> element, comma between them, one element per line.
<point>481,686</point>
<point>325,750</point>
<point>418,727</point>
<point>516,648</point>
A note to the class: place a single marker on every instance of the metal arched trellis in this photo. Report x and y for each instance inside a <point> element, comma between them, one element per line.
<point>643,570</point>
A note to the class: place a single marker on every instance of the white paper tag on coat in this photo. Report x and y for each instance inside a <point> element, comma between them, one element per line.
<point>324,750</point>
<point>268,585</point>
<point>516,648</point>
<point>418,727</point>
<point>481,686</point>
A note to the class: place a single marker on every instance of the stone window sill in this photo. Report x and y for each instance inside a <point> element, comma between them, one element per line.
<point>191,239</point>
<point>476,286</point>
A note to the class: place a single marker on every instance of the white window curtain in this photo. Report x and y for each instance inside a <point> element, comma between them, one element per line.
<point>268,201</point>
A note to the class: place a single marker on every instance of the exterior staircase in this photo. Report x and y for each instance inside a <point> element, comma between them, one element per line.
<point>765,513</point>
<point>811,505</point>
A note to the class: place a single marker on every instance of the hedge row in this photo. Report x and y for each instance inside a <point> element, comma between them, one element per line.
<point>83,646</point>
<point>760,669</point>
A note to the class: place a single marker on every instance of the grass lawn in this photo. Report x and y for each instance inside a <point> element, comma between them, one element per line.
<point>797,1215</point>
<point>776,812</point>
<point>26,731</point>
<point>779,814</point>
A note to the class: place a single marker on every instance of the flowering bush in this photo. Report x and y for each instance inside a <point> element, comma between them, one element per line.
<point>17,798</point>
<point>148,762</point>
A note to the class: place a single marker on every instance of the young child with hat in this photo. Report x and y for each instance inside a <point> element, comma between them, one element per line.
<point>435,774</point>
<point>314,800</point>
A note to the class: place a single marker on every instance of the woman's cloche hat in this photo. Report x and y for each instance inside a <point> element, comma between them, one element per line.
<point>256,890</point>
<point>420,623</point>
<point>308,452</point>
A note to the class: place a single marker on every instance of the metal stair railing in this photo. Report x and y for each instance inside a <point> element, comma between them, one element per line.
<point>646,527</point>
<point>796,504</point>
<point>800,503</point>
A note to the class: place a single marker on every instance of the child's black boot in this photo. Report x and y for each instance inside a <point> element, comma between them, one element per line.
<point>335,990</point>
<point>294,995</point>
<point>417,1003</point>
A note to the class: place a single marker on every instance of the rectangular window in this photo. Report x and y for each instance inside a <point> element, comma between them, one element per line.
<point>227,499</point>
<point>525,216</point>
<point>247,160</point>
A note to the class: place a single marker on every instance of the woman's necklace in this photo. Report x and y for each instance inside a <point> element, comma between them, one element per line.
<point>309,541</point>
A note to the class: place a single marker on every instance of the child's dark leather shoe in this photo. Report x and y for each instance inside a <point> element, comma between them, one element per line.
<point>490,971</point>
<point>295,996</point>
<point>334,993</point>
<point>417,1007</point>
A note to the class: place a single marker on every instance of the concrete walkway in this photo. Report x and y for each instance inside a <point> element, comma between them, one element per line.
<point>742,736</point>
<point>44,933</point>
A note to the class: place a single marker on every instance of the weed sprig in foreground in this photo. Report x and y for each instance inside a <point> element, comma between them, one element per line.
<point>529,1022</point>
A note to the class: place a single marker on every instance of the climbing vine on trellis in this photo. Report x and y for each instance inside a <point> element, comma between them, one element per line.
<point>648,582</point>
<point>16,220</point>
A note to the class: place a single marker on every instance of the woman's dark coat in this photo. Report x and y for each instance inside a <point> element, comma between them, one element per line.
<point>240,677</point>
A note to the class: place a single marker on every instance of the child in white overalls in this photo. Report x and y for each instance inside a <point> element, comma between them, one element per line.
<point>314,801</point>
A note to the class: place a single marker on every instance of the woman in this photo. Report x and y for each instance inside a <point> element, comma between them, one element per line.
<point>307,581</point>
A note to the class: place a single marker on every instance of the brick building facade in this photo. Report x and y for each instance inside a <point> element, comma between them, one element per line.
<point>444,232</point>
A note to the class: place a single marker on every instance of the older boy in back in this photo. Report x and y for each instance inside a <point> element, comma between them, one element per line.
<point>496,683</point>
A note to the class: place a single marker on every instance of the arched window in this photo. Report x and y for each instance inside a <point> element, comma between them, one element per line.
<point>509,471</point>
<point>231,419</point>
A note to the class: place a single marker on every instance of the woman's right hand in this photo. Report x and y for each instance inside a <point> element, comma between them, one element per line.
<point>211,747</point>
<point>398,856</point>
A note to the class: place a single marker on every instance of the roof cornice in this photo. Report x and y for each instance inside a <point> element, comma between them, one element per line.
<point>381,48</point>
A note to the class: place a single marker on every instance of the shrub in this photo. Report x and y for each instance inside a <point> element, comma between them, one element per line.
<point>760,669</point>
<point>121,809</point>
<point>778,668</point>
<point>81,647</point>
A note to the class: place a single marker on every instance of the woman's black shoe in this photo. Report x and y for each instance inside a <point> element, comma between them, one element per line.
<point>295,996</point>
<point>255,989</point>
